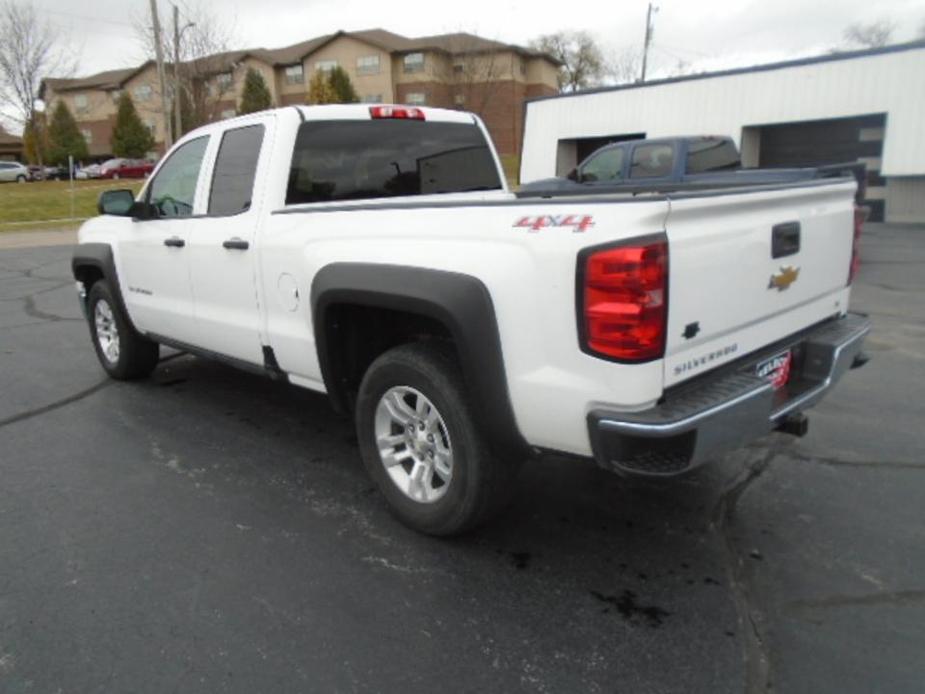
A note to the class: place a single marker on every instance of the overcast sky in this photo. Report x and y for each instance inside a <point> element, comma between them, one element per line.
<point>705,33</point>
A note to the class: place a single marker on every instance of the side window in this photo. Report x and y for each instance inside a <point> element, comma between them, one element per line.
<point>173,190</point>
<point>712,154</point>
<point>235,168</point>
<point>605,166</point>
<point>358,160</point>
<point>651,161</point>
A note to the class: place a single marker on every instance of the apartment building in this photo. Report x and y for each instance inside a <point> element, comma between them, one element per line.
<point>459,70</point>
<point>10,146</point>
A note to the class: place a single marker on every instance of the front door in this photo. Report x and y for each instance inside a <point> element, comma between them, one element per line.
<point>153,253</point>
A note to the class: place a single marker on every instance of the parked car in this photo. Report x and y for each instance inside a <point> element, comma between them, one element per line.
<point>126,168</point>
<point>90,171</point>
<point>13,171</point>
<point>56,173</point>
<point>705,161</point>
<point>374,253</point>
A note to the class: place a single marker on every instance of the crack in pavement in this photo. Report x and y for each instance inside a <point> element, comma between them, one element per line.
<point>80,395</point>
<point>835,461</point>
<point>755,650</point>
<point>897,598</point>
<point>31,310</point>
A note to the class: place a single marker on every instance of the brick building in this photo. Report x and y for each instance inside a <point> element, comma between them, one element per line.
<point>459,70</point>
<point>10,146</point>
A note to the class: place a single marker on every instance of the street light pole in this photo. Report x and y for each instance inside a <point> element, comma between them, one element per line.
<point>649,31</point>
<point>159,56</point>
<point>176,73</point>
<point>177,35</point>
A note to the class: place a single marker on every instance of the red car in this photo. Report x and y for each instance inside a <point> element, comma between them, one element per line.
<point>126,168</point>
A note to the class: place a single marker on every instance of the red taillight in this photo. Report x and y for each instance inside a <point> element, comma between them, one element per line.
<point>860,214</point>
<point>625,301</point>
<point>403,112</point>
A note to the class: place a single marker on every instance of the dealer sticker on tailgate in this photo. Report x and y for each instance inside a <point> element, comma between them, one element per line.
<point>775,369</point>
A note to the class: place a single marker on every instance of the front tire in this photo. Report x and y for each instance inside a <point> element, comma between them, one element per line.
<point>122,352</point>
<point>422,444</point>
<point>20,179</point>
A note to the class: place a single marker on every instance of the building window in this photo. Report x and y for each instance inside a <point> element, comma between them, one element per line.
<point>416,98</point>
<point>87,136</point>
<point>523,68</point>
<point>459,68</point>
<point>368,65</point>
<point>116,94</point>
<point>372,99</point>
<point>224,81</point>
<point>142,92</point>
<point>413,62</point>
<point>228,113</point>
<point>152,127</point>
<point>459,99</point>
<point>295,74</point>
<point>80,103</point>
<point>325,65</point>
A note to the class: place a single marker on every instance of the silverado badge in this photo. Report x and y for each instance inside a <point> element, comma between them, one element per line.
<point>782,280</point>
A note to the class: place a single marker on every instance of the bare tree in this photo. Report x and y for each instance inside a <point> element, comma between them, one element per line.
<point>473,70</point>
<point>30,49</point>
<point>583,63</point>
<point>624,66</point>
<point>206,38</point>
<point>871,35</point>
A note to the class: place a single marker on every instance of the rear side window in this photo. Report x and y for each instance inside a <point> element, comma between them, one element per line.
<point>651,161</point>
<point>604,166</point>
<point>357,160</point>
<point>235,167</point>
<point>712,154</point>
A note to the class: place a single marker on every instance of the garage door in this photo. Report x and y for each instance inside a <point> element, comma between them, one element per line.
<point>833,141</point>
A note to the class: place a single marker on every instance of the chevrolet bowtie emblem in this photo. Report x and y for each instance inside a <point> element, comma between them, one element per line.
<point>783,279</point>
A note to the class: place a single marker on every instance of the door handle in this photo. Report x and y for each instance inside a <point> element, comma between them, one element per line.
<point>785,239</point>
<point>174,242</point>
<point>236,244</point>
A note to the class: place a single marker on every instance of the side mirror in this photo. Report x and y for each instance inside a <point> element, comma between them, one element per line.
<point>116,202</point>
<point>573,175</point>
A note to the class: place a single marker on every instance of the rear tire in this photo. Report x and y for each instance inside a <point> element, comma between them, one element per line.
<point>422,444</point>
<point>20,179</point>
<point>123,353</point>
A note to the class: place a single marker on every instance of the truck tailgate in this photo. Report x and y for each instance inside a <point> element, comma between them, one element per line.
<point>729,295</point>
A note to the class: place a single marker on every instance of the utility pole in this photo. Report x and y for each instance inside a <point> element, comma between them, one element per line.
<point>176,73</point>
<point>159,55</point>
<point>650,29</point>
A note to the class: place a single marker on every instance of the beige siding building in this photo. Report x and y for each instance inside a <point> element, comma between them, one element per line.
<point>461,71</point>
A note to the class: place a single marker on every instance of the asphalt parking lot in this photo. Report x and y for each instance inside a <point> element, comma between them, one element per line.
<point>208,530</point>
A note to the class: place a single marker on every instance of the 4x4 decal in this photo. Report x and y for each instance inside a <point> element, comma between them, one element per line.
<point>578,222</point>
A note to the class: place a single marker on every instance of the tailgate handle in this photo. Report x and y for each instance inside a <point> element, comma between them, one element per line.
<point>785,239</point>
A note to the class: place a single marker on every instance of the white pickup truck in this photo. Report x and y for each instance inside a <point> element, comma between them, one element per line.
<point>374,253</point>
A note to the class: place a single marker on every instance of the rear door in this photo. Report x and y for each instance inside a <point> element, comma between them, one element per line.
<point>222,247</point>
<point>749,268</point>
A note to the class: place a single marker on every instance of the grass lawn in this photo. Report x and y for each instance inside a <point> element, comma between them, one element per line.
<point>511,165</point>
<point>47,204</point>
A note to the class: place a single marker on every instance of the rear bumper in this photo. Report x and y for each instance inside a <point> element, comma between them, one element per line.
<point>721,412</point>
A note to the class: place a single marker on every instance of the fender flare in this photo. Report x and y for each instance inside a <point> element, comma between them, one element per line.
<point>459,302</point>
<point>100,257</point>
